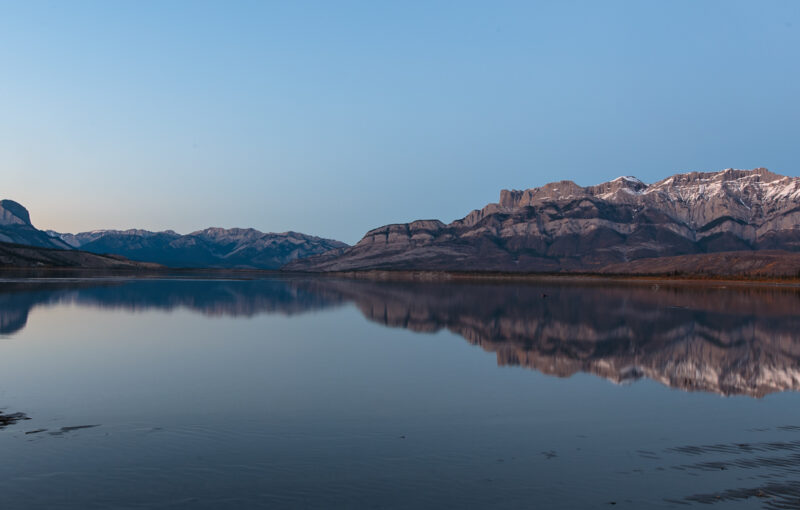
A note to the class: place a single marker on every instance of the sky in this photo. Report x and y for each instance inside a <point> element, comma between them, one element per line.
<point>332,118</point>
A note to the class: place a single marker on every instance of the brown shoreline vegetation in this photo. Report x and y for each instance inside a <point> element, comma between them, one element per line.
<point>402,275</point>
<point>577,278</point>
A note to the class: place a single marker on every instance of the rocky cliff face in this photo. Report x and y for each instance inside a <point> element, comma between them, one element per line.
<point>564,226</point>
<point>16,227</point>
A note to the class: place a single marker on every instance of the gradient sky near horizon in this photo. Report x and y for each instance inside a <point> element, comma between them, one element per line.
<point>332,118</point>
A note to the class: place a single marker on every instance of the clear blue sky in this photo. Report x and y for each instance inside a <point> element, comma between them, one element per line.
<point>335,117</point>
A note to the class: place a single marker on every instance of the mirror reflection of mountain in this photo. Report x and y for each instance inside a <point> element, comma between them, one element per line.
<point>233,298</point>
<point>704,337</point>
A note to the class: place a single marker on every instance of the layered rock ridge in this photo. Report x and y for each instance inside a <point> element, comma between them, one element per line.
<point>566,227</point>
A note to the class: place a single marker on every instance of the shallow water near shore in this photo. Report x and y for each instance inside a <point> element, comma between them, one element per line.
<point>329,393</point>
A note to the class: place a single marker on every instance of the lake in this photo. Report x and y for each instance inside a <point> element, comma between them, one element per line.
<point>301,392</point>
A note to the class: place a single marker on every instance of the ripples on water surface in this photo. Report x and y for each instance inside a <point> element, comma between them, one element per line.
<point>325,393</point>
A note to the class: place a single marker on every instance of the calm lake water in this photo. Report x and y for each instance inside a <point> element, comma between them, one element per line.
<point>326,393</point>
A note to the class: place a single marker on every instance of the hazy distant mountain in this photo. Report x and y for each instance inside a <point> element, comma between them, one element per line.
<point>77,240</point>
<point>563,226</point>
<point>16,227</point>
<point>212,247</point>
<point>23,245</point>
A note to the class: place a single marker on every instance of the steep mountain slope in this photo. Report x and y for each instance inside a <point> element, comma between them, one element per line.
<point>212,247</point>
<point>566,227</point>
<point>16,227</point>
<point>26,256</point>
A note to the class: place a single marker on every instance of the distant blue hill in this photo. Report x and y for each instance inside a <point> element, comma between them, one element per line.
<point>212,247</point>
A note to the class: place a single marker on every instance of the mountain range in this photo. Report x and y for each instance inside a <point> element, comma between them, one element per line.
<point>566,227</point>
<point>731,222</point>
<point>212,247</point>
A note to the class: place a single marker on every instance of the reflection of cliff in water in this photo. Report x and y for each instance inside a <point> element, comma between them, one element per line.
<point>17,299</point>
<point>728,341</point>
<point>723,340</point>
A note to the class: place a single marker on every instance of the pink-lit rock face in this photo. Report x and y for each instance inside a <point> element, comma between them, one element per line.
<point>563,226</point>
